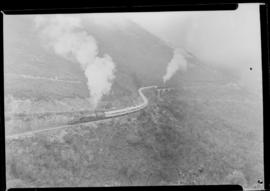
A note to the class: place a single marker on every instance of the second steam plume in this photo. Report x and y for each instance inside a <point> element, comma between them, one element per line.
<point>68,37</point>
<point>178,62</point>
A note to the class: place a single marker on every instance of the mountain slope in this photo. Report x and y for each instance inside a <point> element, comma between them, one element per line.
<point>25,54</point>
<point>140,57</point>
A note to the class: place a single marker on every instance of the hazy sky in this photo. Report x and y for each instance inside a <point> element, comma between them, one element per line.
<point>207,31</point>
<point>226,39</point>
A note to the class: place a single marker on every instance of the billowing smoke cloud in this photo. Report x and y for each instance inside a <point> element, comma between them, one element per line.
<point>66,35</point>
<point>178,62</point>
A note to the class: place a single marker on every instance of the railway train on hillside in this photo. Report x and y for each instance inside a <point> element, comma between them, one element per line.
<point>97,115</point>
<point>100,114</point>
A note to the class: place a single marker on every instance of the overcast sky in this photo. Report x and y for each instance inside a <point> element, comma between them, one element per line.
<point>227,39</point>
<point>224,39</point>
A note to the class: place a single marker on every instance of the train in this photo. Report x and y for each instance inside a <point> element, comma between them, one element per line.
<point>96,115</point>
<point>101,114</point>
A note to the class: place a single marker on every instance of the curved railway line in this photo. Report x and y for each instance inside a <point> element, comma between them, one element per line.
<point>107,115</point>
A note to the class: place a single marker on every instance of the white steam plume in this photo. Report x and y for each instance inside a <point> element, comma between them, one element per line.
<point>228,40</point>
<point>178,62</point>
<point>69,39</point>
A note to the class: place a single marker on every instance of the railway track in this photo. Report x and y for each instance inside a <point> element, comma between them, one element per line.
<point>108,114</point>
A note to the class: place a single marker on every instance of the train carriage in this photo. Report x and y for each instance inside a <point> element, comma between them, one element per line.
<point>100,114</point>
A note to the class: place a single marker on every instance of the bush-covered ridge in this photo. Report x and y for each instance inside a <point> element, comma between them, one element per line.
<point>175,140</point>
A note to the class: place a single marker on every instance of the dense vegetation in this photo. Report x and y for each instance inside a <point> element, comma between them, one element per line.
<point>208,131</point>
<point>179,139</point>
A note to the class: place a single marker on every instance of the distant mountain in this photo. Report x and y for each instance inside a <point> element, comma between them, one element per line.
<point>25,55</point>
<point>134,50</point>
<point>140,57</point>
<point>199,72</point>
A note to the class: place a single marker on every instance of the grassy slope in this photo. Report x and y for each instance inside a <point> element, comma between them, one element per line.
<point>25,54</point>
<point>134,49</point>
<point>179,139</point>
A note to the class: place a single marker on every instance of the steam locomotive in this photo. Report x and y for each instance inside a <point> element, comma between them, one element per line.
<point>100,114</point>
<point>97,115</point>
